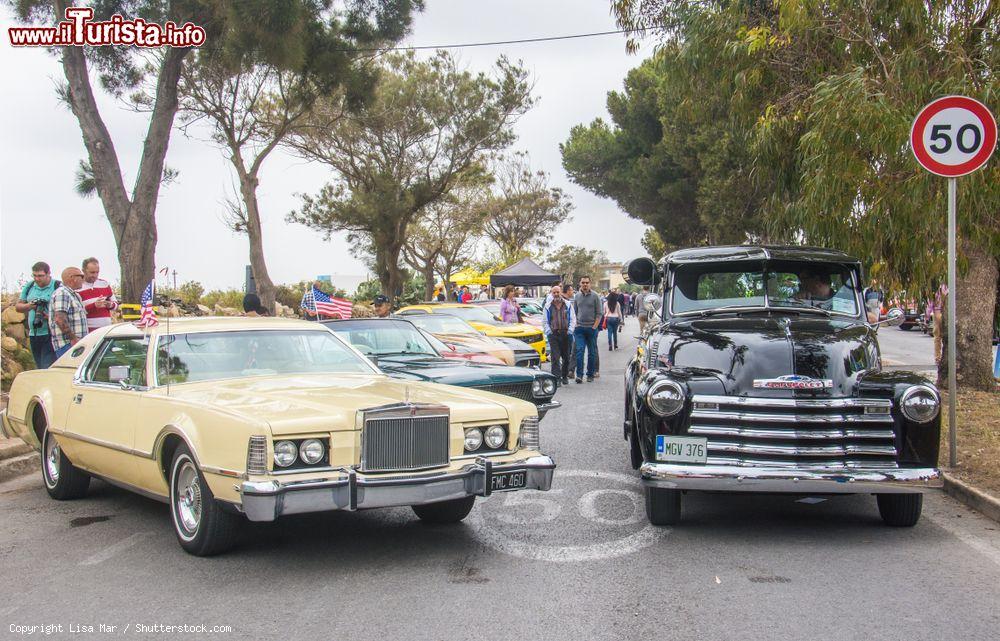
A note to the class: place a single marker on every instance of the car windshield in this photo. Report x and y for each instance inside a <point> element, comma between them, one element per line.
<point>471,314</point>
<point>383,337</point>
<point>825,287</point>
<point>441,324</point>
<point>205,356</point>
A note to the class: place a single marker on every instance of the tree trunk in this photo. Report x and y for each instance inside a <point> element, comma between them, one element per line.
<point>265,288</point>
<point>428,272</point>
<point>976,300</point>
<point>390,276</point>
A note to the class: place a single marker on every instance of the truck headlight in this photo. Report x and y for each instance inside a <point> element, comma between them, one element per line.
<point>311,451</point>
<point>920,404</point>
<point>665,398</point>
<point>496,436</point>
<point>536,387</point>
<point>473,439</point>
<point>548,387</point>
<point>285,453</point>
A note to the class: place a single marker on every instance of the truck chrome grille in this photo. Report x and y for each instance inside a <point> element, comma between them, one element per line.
<point>405,438</point>
<point>517,390</point>
<point>838,433</point>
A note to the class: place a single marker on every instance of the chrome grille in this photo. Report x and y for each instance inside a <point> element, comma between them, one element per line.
<point>517,390</point>
<point>834,433</point>
<point>405,438</point>
<point>530,338</point>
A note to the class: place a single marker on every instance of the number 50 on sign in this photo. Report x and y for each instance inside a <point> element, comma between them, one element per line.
<point>953,136</point>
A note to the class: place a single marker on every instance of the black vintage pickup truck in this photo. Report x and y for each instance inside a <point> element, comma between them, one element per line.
<point>761,373</point>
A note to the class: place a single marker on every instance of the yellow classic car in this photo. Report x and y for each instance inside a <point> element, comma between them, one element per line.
<point>485,322</point>
<point>233,418</point>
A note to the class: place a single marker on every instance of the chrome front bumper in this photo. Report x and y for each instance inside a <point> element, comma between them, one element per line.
<point>267,500</point>
<point>545,407</point>
<point>789,480</point>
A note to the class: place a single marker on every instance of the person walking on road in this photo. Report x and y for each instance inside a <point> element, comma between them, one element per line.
<point>587,306</point>
<point>68,316</point>
<point>35,299</point>
<point>613,316</point>
<point>559,323</point>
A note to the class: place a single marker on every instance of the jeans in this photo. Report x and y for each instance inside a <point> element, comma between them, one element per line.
<point>559,345</point>
<point>612,331</point>
<point>41,351</point>
<point>586,340</point>
<point>62,350</point>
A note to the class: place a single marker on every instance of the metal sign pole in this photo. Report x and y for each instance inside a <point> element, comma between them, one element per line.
<point>952,383</point>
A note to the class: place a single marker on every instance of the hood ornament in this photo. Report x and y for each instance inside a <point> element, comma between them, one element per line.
<point>792,381</point>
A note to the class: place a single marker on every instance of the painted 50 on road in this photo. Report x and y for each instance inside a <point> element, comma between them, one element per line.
<point>686,449</point>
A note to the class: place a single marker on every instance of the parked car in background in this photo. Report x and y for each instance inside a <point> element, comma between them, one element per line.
<point>400,350</point>
<point>227,419</point>
<point>912,315</point>
<point>531,314</point>
<point>460,352</point>
<point>762,374</point>
<point>452,330</point>
<point>484,321</point>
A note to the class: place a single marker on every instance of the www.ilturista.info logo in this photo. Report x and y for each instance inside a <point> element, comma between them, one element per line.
<point>79,29</point>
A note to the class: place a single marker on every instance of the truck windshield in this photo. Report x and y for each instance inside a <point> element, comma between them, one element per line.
<point>789,285</point>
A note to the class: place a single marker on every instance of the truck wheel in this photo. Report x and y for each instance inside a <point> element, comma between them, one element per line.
<point>451,511</point>
<point>203,528</point>
<point>900,510</point>
<point>663,506</point>
<point>63,480</point>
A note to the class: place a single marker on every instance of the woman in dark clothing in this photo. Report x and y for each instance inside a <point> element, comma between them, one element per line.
<point>253,307</point>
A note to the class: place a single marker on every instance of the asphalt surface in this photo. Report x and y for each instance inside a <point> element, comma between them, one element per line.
<point>579,562</point>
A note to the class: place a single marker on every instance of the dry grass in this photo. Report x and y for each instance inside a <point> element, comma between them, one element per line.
<point>978,440</point>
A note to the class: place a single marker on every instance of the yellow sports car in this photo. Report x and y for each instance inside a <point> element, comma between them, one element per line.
<point>485,322</point>
<point>233,418</point>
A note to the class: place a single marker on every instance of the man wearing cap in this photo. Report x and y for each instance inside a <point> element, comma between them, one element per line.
<point>383,308</point>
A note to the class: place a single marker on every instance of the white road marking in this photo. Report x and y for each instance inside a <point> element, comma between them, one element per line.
<point>989,551</point>
<point>503,541</point>
<point>114,549</point>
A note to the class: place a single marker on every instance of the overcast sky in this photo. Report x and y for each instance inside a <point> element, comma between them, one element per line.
<point>42,218</point>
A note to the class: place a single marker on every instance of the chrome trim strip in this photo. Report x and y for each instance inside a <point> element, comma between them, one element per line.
<point>349,490</point>
<point>756,417</point>
<point>820,481</point>
<point>758,401</point>
<point>777,433</point>
<point>102,443</point>
<point>131,488</point>
<point>797,450</point>
<point>300,470</point>
<point>478,454</point>
<point>815,464</point>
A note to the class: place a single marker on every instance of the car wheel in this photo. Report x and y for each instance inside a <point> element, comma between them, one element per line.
<point>634,451</point>
<point>203,527</point>
<point>445,511</point>
<point>900,510</point>
<point>906,328</point>
<point>63,480</point>
<point>663,506</point>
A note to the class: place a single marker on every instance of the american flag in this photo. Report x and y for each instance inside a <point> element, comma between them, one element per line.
<point>321,303</point>
<point>147,317</point>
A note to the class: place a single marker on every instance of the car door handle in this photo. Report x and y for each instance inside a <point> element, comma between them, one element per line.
<point>78,399</point>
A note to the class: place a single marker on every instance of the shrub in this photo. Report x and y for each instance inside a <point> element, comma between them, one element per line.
<point>225,298</point>
<point>190,292</point>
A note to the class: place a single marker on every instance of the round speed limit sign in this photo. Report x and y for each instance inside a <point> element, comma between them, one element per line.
<point>953,136</point>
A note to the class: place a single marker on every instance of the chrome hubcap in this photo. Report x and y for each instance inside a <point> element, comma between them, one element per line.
<point>52,456</point>
<point>188,497</point>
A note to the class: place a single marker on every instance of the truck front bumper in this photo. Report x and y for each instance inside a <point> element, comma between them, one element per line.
<point>724,478</point>
<point>351,490</point>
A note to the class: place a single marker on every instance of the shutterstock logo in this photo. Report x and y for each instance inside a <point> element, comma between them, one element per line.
<point>80,30</point>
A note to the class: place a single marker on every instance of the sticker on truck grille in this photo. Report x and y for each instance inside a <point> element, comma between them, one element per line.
<point>793,381</point>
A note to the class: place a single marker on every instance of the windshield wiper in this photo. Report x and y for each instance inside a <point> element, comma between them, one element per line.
<point>727,309</point>
<point>800,310</point>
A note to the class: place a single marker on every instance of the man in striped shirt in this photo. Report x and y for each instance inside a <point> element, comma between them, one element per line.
<point>97,295</point>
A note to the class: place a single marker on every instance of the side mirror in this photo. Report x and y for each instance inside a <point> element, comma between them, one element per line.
<point>893,318</point>
<point>641,271</point>
<point>119,373</point>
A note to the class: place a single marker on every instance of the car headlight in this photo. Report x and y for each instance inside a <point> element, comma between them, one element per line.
<point>285,453</point>
<point>473,439</point>
<point>665,398</point>
<point>311,451</point>
<point>920,404</point>
<point>496,436</point>
<point>548,387</point>
<point>536,387</point>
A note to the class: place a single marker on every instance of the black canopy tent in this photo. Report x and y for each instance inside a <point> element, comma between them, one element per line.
<point>524,273</point>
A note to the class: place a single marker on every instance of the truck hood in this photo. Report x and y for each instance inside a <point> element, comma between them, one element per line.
<point>300,403</point>
<point>742,350</point>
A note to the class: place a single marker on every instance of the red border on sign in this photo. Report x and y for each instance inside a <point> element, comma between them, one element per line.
<point>969,166</point>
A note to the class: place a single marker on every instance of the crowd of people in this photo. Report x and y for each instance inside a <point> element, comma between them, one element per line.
<point>60,312</point>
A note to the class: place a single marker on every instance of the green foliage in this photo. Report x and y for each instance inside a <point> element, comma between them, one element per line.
<point>412,292</point>
<point>190,292</point>
<point>572,262</point>
<point>224,298</point>
<point>653,243</point>
<point>290,295</point>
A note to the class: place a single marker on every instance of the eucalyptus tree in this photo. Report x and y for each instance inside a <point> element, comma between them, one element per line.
<point>250,106</point>
<point>426,131</point>
<point>269,30</point>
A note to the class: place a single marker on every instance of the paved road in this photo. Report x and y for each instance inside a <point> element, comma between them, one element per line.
<point>906,349</point>
<point>579,562</point>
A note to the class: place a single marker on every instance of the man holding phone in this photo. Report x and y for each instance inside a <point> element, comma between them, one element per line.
<point>98,297</point>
